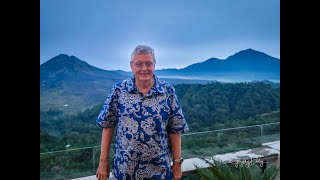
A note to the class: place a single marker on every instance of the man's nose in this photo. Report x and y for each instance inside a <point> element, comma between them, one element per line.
<point>144,66</point>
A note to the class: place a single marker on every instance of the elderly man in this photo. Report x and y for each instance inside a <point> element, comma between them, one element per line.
<point>149,124</point>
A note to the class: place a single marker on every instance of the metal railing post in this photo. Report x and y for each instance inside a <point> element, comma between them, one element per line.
<point>261,130</point>
<point>93,160</point>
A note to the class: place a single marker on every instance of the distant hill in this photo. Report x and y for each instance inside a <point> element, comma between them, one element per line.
<point>246,65</point>
<point>72,85</point>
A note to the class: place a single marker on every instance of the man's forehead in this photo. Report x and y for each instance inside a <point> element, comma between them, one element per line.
<point>144,57</point>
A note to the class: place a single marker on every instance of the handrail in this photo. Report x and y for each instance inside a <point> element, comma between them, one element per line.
<point>89,147</point>
<point>226,129</point>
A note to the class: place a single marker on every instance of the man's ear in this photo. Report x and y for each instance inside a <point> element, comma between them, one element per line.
<point>131,65</point>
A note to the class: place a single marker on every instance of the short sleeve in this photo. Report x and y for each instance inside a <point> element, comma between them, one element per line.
<point>177,123</point>
<point>108,116</point>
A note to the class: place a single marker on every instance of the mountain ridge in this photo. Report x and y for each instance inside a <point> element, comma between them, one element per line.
<point>70,84</point>
<point>246,65</point>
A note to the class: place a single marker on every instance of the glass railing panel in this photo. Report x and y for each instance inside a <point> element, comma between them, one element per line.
<point>66,164</point>
<point>228,140</point>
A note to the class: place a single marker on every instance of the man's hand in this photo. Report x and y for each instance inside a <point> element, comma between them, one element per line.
<point>103,171</point>
<point>176,169</point>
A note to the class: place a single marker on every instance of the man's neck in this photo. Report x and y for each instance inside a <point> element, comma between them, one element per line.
<point>144,86</point>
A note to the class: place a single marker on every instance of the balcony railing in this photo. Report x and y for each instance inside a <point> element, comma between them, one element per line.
<point>80,162</point>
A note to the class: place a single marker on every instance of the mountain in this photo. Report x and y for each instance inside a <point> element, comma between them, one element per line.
<point>246,65</point>
<point>70,84</point>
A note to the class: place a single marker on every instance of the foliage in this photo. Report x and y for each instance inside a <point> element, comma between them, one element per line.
<point>206,107</point>
<point>220,171</point>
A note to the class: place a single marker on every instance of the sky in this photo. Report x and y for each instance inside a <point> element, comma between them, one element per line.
<point>182,32</point>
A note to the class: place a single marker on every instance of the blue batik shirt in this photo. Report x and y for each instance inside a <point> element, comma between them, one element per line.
<point>142,149</point>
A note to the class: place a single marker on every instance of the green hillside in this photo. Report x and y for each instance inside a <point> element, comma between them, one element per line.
<point>206,107</point>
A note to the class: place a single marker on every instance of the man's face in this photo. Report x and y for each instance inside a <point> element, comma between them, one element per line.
<point>142,67</point>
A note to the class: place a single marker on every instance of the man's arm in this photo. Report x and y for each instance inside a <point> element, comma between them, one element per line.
<point>175,140</point>
<point>104,167</point>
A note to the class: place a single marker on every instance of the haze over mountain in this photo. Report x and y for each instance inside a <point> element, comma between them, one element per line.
<point>70,84</point>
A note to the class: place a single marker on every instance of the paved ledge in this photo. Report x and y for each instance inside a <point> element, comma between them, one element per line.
<point>274,145</point>
<point>268,152</point>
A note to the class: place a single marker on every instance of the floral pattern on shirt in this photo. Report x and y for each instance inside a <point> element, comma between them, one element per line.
<point>142,149</point>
